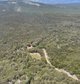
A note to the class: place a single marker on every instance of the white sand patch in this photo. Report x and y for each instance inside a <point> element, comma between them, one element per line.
<point>18,9</point>
<point>29,47</point>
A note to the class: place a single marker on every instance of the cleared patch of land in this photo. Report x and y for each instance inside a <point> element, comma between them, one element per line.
<point>36,56</point>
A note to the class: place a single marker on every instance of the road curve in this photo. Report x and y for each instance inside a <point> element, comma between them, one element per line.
<point>59,70</point>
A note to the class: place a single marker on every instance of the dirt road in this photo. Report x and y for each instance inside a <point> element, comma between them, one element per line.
<point>59,70</point>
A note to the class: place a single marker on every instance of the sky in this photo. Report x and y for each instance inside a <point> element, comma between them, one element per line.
<point>58,1</point>
<point>54,1</point>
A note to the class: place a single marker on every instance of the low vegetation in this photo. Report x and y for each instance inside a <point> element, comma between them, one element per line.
<point>57,32</point>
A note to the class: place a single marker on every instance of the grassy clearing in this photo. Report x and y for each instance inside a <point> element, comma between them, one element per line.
<point>36,56</point>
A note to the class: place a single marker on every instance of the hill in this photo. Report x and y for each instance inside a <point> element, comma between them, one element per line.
<point>55,28</point>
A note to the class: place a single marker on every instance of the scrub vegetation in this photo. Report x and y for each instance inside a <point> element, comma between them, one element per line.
<point>55,28</point>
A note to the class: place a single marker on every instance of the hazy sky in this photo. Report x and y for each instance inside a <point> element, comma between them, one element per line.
<point>55,1</point>
<point>59,1</point>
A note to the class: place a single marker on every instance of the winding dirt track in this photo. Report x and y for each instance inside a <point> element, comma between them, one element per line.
<point>46,57</point>
<point>59,70</point>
